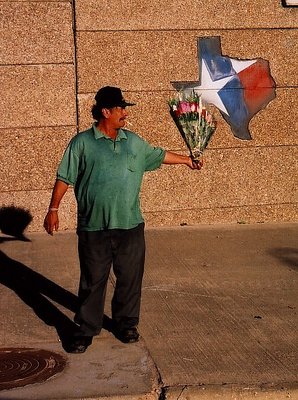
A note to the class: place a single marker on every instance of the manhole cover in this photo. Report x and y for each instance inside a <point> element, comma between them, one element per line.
<point>21,367</point>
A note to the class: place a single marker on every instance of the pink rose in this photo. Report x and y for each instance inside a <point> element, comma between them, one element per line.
<point>184,107</point>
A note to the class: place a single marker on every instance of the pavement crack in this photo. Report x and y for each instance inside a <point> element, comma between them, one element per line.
<point>180,394</point>
<point>159,387</point>
<point>162,395</point>
<point>164,391</point>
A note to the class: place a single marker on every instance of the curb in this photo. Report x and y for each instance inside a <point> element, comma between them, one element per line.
<point>216,392</point>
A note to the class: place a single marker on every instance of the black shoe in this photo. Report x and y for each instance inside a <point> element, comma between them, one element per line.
<point>79,344</point>
<point>129,335</point>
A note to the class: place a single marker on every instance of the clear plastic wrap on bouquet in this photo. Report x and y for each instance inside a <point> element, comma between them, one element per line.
<point>194,121</point>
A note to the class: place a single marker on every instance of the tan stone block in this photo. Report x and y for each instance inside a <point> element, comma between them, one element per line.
<point>220,215</point>
<point>235,185</point>
<point>37,95</point>
<point>189,14</point>
<point>36,32</point>
<point>230,178</point>
<point>275,125</point>
<point>134,60</point>
<point>29,157</point>
<point>144,61</point>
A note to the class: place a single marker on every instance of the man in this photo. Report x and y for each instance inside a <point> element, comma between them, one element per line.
<point>105,165</point>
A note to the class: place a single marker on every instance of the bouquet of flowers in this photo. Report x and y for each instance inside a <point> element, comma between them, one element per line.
<point>194,121</point>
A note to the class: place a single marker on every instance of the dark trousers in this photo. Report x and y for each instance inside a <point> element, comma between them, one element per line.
<point>98,251</point>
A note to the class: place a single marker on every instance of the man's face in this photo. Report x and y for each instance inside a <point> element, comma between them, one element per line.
<point>117,116</point>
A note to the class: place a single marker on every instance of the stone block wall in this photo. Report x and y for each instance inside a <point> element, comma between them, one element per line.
<point>56,54</point>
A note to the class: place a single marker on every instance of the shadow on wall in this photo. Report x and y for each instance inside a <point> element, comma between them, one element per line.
<point>14,221</point>
<point>287,255</point>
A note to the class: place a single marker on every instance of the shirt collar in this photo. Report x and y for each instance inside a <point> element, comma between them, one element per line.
<point>98,134</point>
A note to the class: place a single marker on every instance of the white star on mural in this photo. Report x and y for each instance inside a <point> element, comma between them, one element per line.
<point>208,89</point>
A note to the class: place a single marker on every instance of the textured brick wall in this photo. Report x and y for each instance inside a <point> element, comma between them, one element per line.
<point>55,55</point>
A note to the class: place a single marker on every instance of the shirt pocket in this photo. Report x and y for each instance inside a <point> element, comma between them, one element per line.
<point>132,162</point>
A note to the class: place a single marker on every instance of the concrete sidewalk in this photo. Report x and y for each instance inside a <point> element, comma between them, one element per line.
<point>219,318</point>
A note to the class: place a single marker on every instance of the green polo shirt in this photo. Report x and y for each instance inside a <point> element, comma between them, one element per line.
<point>107,176</point>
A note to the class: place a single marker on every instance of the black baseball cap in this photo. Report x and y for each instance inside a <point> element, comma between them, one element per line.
<point>109,96</point>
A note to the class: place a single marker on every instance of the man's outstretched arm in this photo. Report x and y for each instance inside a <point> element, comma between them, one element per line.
<point>51,221</point>
<point>174,158</point>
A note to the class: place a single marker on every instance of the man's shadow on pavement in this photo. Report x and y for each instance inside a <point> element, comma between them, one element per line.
<point>33,288</point>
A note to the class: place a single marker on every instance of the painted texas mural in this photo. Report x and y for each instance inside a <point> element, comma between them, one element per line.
<point>237,88</point>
